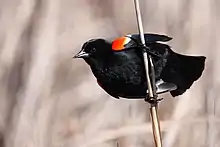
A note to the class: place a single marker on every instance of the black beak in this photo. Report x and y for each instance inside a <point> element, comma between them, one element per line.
<point>81,54</point>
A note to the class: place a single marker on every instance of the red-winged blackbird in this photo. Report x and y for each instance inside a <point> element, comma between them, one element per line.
<point>119,65</point>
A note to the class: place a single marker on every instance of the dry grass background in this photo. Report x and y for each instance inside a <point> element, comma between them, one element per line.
<point>49,100</point>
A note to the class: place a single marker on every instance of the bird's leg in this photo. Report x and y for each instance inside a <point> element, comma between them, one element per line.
<point>153,100</point>
<point>145,48</point>
<point>150,52</point>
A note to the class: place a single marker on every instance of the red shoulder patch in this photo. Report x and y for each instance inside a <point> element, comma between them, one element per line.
<point>119,43</point>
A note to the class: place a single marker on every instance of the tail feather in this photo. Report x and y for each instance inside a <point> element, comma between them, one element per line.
<point>183,71</point>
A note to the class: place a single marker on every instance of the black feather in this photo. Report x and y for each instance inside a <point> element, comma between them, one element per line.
<point>122,74</point>
<point>182,71</point>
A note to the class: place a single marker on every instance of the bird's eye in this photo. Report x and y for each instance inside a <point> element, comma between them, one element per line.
<point>93,50</point>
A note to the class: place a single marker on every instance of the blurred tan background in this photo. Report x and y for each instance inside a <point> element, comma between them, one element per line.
<point>49,100</point>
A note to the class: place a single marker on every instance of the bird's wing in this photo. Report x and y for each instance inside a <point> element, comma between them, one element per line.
<point>182,71</point>
<point>133,40</point>
<point>151,38</point>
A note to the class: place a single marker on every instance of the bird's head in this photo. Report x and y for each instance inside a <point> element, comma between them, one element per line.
<point>94,51</point>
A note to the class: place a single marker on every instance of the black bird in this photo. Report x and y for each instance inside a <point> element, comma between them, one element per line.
<point>119,65</point>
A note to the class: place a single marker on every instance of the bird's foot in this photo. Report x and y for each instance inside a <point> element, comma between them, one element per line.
<point>153,100</point>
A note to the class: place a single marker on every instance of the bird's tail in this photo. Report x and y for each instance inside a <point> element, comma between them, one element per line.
<point>183,70</point>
